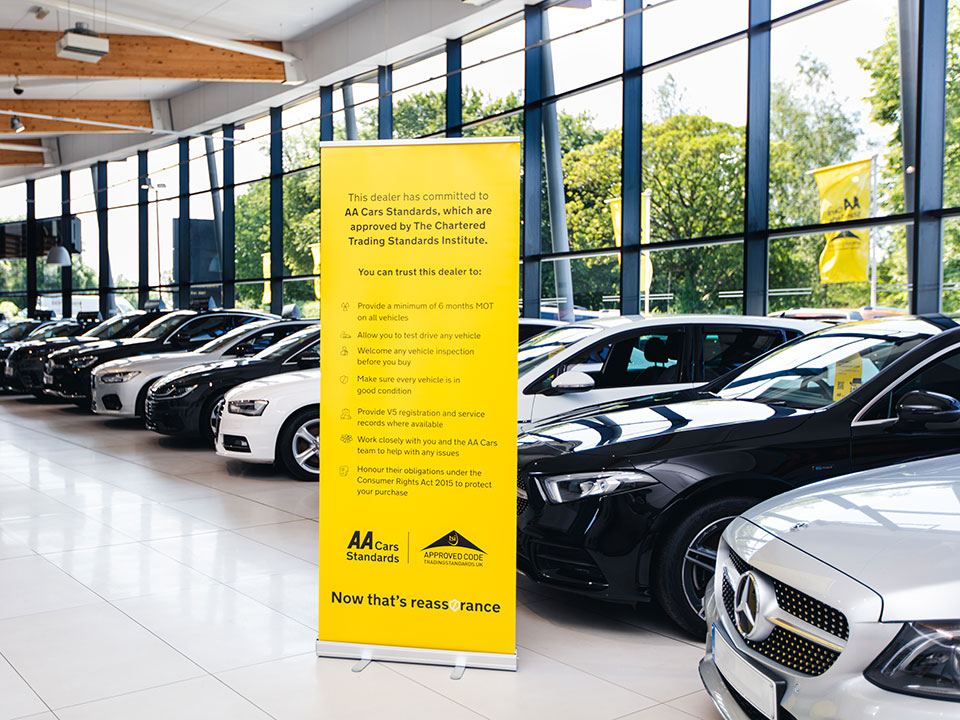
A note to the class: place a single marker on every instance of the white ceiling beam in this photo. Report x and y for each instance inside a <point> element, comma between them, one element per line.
<point>169,31</point>
<point>20,147</point>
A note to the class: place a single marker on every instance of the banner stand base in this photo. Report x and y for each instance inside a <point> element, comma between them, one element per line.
<point>423,656</point>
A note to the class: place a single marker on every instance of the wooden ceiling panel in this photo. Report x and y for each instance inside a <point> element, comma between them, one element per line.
<point>121,112</point>
<point>18,157</point>
<point>34,53</point>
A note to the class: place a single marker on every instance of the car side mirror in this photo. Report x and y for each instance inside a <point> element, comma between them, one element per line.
<point>919,407</point>
<point>310,359</point>
<point>572,381</point>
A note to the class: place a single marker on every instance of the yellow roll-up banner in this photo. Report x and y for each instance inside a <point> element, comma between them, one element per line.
<point>616,217</point>
<point>315,251</point>
<point>265,262</point>
<point>845,195</point>
<point>417,523</point>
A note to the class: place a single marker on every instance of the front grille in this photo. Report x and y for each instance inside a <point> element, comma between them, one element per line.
<point>738,563</point>
<point>148,409</point>
<point>811,610</point>
<point>785,647</point>
<point>522,502</point>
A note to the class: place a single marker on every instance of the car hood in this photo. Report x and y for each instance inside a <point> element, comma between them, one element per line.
<point>626,423</point>
<point>155,362</point>
<point>895,530</point>
<point>107,345</point>
<point>220,369</point>
<point>298,381</point>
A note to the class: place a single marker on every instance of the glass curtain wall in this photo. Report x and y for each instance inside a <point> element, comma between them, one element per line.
<point>674,228</point>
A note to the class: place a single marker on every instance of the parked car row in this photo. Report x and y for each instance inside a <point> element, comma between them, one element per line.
<point>834,601</point>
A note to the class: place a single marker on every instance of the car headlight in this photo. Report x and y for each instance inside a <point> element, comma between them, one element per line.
<point>923,659</point>
<point>576,486</point>
<point>253,408</point>
<point>82,362</point>
<point>118,377</point>
<point>172,393</point>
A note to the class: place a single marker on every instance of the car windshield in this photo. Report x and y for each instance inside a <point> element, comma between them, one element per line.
<point>227,339</point>
<point>290,344</point>
<point>106,330</point>
<point>545,345</point>
<point>53,330</point>
<point>15,331</point>
<point>820,369</point>
<point>160,327</point>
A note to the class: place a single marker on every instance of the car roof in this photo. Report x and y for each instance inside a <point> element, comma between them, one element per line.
<point>625,322</point>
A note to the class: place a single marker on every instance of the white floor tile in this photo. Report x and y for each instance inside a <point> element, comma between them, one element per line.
<point>34,585</point>
<point>117,572</point>
<point>219,628</point>
<point>228,557</point>
<point>205,698</point>
<point>659,712</point>
<point>294,594</point>
<point>300,538</point>
<point>89,653</point>
<point>23,502</point>
<point>149,520</point>
<point>310,687</point>
<point>302,499</point>
<point>65,531</point>
<point>653,665</point>
<point>697,704</point>
<point>10,547</point>
<point>16,698</point>
<point>542,688</point>
<point>229,512</point>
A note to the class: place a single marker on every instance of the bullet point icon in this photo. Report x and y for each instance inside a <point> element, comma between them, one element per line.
<point>346,438</point>
<point>343,351</point>
<point>345,306</point>
<point>344,470</point>
<point>345,335</point>
<point>345,414</point>
<point>343,379</point>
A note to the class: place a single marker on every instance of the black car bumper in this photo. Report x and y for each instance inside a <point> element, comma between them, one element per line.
<point>67,383</point>
<point>177,416</point>
<point>599,547</point>
<point>24,375</point>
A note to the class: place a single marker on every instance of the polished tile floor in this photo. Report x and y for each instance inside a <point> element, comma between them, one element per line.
<point>144,577</point>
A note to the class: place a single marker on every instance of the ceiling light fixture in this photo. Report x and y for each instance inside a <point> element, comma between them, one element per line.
<point>58,256</point>
<point>39,12</point>
<point>16,124</point>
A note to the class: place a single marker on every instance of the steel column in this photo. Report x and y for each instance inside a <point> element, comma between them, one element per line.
<point>183,228</point>
<point>276,210</point>
<point>229,220</point>
<point>66,273</point>
<point>632,169</point>
<point>454,118</point>
<point>385,102</point>
<point>532,159</point>
<point>31,248</point>
<point>143,236</point>
<point>757,205</point>
<point>326,113</point>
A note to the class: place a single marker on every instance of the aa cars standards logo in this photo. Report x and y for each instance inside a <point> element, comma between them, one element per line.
<point>453,549</point>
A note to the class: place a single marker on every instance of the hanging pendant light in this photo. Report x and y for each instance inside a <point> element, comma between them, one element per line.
<point>58,256</point>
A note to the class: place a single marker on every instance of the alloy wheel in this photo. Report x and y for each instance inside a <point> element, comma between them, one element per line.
<point>306,446</point>
<point>700,561</point>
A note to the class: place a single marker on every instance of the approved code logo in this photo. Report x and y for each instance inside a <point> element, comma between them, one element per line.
<point>453,549</point>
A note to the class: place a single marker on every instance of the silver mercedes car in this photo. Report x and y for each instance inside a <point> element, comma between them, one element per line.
<point>841,600</point>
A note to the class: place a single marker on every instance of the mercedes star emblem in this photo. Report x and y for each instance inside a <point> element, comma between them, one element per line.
<point>751,605</point>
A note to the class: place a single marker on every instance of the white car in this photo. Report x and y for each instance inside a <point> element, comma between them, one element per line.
<point>119,387</point>
<point>587,363</point>
<point>842,600</point>
<point>276,418</point>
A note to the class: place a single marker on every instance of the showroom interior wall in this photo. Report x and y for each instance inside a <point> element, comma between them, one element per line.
<point>717,124</point>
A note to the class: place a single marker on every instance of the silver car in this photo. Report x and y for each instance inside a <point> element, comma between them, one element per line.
<point>841,600</point>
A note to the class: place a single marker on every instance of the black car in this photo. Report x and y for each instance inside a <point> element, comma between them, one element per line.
<point>16,330</point>
<point>189,401</point>
<point>42,330</point>
<point>23,368</point>
<point>67,372</point>
<point>627,501</point>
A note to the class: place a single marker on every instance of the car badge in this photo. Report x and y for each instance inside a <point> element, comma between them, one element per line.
<point>751,603</point>
<point>798,526</point>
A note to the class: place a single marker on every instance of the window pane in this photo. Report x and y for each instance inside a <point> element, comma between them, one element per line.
<point>795,279</point>
<point>163,169</point>
<point>13,202</point>
<point>123,226</point>
<point>707,279</point>
<point>951,265</point>
<point>364,109</point>
<point>694,144</point>
<point>86,266</point>
<point>589,128</point>
<point>301,221</point>
<point>951,184</point>
<point>595,284</point>
<point>252,150</point>
<point>301,133</point>
<point>492,85</point>
<point>829,86</point>
<point>252,230</point>
<point>669,29</point>
<point>419,97</point>
<point>602,43</point>
<point>161,219</point>
<point>305,293</point>
<point>253,296</point>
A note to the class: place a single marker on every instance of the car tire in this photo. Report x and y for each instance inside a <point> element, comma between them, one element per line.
<point>686,557</point>
<point>207,428</point>
<point>300,456</point>
<point>140,404</point>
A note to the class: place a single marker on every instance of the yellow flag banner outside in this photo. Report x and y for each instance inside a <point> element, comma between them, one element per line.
<point>845,195</point>
<point>315,250</point>
<point>417,529</point>
<point>265,260</point>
